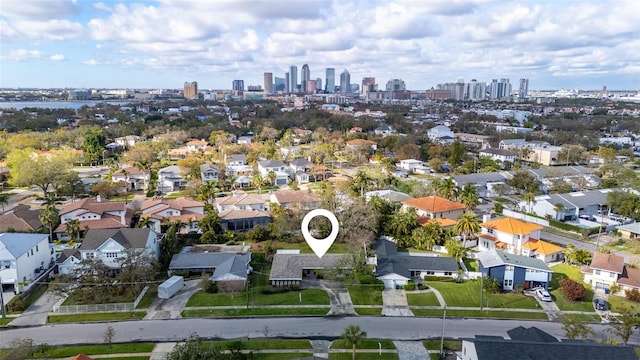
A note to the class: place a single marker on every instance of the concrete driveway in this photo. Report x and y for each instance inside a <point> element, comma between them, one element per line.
<point>550,307</point>
<point>394,303</point>
<point>162,309</point>
<point>37,313</point>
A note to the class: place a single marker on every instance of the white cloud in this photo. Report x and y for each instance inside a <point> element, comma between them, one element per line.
<point>23,55</point>
<point>91,62</point>
<point>38,9</point>
<point>57,57</point>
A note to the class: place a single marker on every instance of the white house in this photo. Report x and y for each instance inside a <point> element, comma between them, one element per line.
<point>441,134</point>
<point>278,167</point>
<point>128,141</point>
<point>415,166</point>
<point>132,177</point>
<point>23,257</point>
<point>110,246</point>
<point>171,178</point>
<point>499,155</point>
<point>507,234</point>
<point>242,211</point>
<point>209,172</point>
<point>197,145</point>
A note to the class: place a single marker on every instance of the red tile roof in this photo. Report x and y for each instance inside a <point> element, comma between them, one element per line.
<point>434,204</point>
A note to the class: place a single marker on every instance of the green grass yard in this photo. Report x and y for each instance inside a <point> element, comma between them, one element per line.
<point>336,248</point>
<point>620,304</point>
<point>481,314</point>
<point>423,299</point>
<point>467,294</point>
<point>455,345</point>
<point>129,348</point>
<point>256,297</point>
<point>563,271</point>
<point>279,356</point>
<point>86,317</point>
<point>365,295</point>
<point>270,344</point>
<point>471,264</point>
<point>369,311</point>
<point>363,356</point>
<point>363,344</point>
<point>256,312</point>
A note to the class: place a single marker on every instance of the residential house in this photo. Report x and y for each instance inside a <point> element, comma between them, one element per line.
<point>472,139</point>
<point>392,196</point>
<point>162,212</point>
<point>414,166</point>
<point>237,165</point>
<point>604,270</point>
<point>441,134</point>
<point>501,156</point>
<point>533,343</point>
<point>229,270</point>
<point>194,146</point>
<point>110,246</point>
<point>569,206</point>
<point>23,257</point>
<point>540,152</point>
<point>629,231</point>
<point>290,152</point>
<point>296,199</point>
<point>290,268</point>
<point>300,168</point>
<point>20,219</point>
<point>129,141</point>
<point>278,168</point>
<point>512,270</point>
<point>209,173</point>
<point>507,234</point>
<point>242,211</point>
<point>4,171</point>
<point>434,207</point>
<point>245,139</point>
<point>369,146</point>
<point>171,178</point>
<point>133,178</point>
<point>487,184</point>
<point>93,213</point>
<point>396,269</point>
<point>579,177</point>
<point>385,130</point>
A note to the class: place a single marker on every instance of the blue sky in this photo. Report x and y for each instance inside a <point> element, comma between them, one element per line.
<point>161,44</point>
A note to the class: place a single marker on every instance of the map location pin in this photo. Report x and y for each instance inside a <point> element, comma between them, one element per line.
<point>320,246</point>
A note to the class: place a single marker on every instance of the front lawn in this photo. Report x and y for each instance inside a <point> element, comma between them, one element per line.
<point>149,296</point>
<point>481,314</point>
<point>23,301</point>
<point>270,344</point>
<point>467,294</point>
<point>86,317</point>
<point>620,304</point>
<point>336,248</point>
<point>366,311</point>
<point>5,321</point>
<point>455,345</point>
<point>365,295</point>
<point>363,356</point>
<point>129,348</point>
<point>563,271</point>
<point>256,297</point>
<point>279,356</point>
<point>423,299</point>
<point>471,264</point>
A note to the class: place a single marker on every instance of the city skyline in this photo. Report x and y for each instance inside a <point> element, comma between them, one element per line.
<point>162,44</point>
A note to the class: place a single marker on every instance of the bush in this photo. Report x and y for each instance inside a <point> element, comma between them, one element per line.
<point>410,285</point>
<point>492,285</point>
<point>422,287</point>
<point>437,278</point>
<point>572,290</point>
<point>632,295</point>
<point>367,279</point>
<point>279,290</point>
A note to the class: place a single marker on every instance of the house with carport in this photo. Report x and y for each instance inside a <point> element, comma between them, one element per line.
<point>512,270</point>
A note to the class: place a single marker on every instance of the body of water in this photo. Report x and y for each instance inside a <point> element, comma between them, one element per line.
<point>55,104</point>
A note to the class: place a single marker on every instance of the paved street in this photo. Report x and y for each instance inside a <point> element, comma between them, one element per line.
<point>395,328</point>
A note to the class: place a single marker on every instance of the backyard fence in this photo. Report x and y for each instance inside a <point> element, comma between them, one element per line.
<point>71,309</point>
<point>525,217</point>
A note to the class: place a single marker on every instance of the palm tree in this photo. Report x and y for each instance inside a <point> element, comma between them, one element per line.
<point>558,208</point>
<point>455,249</point>
<point>467,225</point>
<point>529,197</point>
<point>469,196</point>
<point>447,189</point>
<point>402,224</point>
<point>73,229</point>
<point>353,334</point>
<point>422,237</point>
<point>145,222</point>
<point>257,182</point>
<point>4,200</point>
<point>271,177</point>
<point>361,181</point>
<point>50,217</point>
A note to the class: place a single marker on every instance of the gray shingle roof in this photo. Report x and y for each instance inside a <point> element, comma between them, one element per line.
<point>480,178</point>
<point>495,258</point>
<point>491,348</point>
<point>403,265</point>
<point>530,334</point>
<point>224,263</point>
<point>128,238</point>
<point>579,199</point>
<point>18,243</point>
<point>385,248</point>
<point>289,266</point>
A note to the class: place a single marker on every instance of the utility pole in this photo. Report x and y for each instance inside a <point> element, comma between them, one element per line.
<point>444,316</point>
<point>481,292</point>
<point>4,314</point>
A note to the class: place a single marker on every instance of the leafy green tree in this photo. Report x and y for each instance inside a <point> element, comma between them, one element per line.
<point>469,196</point>
<point>93,145</point>
<point>68,184</point>
<point>455,249</point>
<point>468,224</point>
<point>402,224</point>
<point>575,328</point>
<point>624,326</point>
<point>28,168</point>
<point>458,154</point>
<point>447,189</point>
<point>523,181</point>
<point>194,348</point>
<point>361,182</point>
<point>423,237</point>
<point>352,334</point>
<point>257,181</point>
<point>73,229</point>
<point>530,198</point>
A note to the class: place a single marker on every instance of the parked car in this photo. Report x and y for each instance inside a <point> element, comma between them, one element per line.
<point>600,304</point>
<point>543,295</point>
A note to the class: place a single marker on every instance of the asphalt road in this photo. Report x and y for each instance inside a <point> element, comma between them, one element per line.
<point>395,328</point>
<point>564,241</point>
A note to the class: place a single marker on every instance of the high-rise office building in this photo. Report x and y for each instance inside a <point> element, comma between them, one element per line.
<point>311,86</point>
<point>268,83</point>
<point>238,85</point>
<point>191,90</point>
<point>287,83</point>
<point>345,82</point>
<point>330,82</point>
<point>368,84</point>
<point>319,84</point>
<point>523,91</point>
<point>293,79</point>
<point>476,90</point>
<point>501,89</point>
<point>280,84</point>
<point>305,76</point>
<point>396,85</point>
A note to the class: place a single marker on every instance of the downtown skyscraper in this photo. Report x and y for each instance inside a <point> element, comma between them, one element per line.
<point>345,82</point>
<point>268,83</point>
<point>305,76</point>
<point>330,81</point>
<point>293,79</point>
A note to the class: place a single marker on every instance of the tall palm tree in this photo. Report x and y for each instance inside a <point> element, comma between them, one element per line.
<point>73,229</point>
<point>402,224</point>
<point>257,181</point>
<point>467,225</point>
<point>455,249</point>
<point>145,222</point>
<point>361,181</point>
<point>50,217</point>
<point>530,198</point>
<point>447,189</point>
<point>423,238</point>
<point>353,334</point>
<point>469,196</point>
<point>271,177</point>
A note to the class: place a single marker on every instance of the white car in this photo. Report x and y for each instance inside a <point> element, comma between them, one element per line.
<point>543,295</point>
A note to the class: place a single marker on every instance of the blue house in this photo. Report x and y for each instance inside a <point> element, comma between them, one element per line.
<point>511,270</point>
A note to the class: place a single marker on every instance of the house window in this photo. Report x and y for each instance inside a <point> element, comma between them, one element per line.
<point>90,255</point>
<point>508,283</point>
<point>612,275</point>
<point>31,252</point>
<point>111,254</point>
<point>597,272</point>
<point>447,273</point>
<point>36,248</point>
<point>489,231</point>
<point>430,273</point>
<point>169,212</point>
<point>6,264</point>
